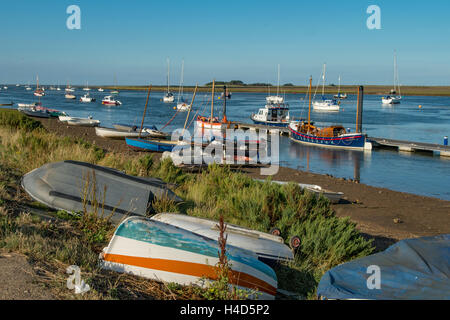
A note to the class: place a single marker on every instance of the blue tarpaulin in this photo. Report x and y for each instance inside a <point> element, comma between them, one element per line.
<point>409,270</point>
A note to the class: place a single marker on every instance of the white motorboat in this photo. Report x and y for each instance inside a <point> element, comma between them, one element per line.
<point>111,101</point>
<point>87,98</point>
<point>276,115</point>
<point>183,106</point>
<point>100,90</point>
<point>69,96</point>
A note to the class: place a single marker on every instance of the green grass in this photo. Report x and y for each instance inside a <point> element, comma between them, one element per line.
<point>326,240</point>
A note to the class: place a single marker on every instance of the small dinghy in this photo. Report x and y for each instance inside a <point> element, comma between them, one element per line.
<point>268,247</point>
<point>162,252</point>
<point>334,197</point>
<point>83,122</point>
<point>28,105</point>
<point>32,112</point>
<point>151,131</point>
<point>60,186</point>
<point>118,134</point>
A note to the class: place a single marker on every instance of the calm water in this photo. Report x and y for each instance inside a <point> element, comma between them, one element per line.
<point>414,173</point>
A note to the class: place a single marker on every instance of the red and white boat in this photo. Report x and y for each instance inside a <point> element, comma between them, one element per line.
<point>110,101</point>
<point>39,92</point>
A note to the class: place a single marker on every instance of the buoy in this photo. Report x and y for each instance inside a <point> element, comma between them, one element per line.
<point>420,106</point>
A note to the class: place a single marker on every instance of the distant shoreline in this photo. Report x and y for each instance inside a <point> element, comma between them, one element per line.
<point>350,90</point>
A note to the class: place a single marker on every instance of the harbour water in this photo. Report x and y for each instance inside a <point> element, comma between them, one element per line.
<point>416,173</point>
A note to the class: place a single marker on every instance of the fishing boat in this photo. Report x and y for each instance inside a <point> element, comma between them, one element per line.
<point>59,185</point>
<point>212,124</point>
<point>332,137</point>
<point>168,97</point>
<point>87,98</point>
<point>339,95</point>
<point>69,88</point>
<point>111,101</point>
<point>266,246</point>
<point>118,134</point>
<point>274,115</point>
<point>39,92</point>
<point>276,99</point>
<point>70,96</point>
<point>325,105</point>
<point>162,252</point>
<point>181,104</point>
<point>393,97</point>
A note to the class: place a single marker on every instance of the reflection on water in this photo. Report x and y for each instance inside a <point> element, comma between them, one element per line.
<point>415,173</point>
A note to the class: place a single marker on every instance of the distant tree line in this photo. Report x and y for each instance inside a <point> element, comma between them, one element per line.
<point>241,83</point>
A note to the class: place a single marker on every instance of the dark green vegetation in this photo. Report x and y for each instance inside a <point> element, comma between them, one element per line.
<point>326,240</point>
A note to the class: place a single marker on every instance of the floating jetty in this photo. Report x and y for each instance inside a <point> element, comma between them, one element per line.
<point>410,146</point>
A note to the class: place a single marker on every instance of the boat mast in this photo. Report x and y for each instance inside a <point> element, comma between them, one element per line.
<point>278,85</point>
<point>180,90</point>
<point>212,101</point>
<point>168,75</point>
<point>145,110</point>
<point>323,78</point>
<point>339,88</point>
<point>309,110</point>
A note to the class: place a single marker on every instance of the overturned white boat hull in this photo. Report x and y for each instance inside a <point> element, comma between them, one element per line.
<point>162,252</point>
<point>61,186</point>
<point>118,134</point>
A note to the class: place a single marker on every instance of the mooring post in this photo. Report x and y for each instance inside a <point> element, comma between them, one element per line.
<point>359,109</point>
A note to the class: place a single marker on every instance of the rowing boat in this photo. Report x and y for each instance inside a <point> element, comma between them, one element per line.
<point>118,134</point>
<point>162,252</point>
<point>60,186</point>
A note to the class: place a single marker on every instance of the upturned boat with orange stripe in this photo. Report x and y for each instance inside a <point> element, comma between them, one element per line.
<point>159,251</point>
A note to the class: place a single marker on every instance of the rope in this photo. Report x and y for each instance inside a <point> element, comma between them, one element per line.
<point>170,120</point>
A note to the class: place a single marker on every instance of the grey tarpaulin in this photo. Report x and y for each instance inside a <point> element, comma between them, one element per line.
<point>410,269</point>
<point>61,185</point>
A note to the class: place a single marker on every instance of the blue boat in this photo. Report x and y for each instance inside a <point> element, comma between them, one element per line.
<point>151,145</point>
<point>332,137</point>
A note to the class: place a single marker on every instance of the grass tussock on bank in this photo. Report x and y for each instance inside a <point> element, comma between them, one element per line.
<point>326,240</point>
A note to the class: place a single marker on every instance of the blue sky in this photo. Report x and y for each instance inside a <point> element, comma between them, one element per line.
<point>225,40</point>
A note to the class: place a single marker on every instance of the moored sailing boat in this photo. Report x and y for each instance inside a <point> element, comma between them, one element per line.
<point>168,97</point>
<point>393,98</point>
<point>332,137</point>
<point>325,105</point>
<point>38,92</point>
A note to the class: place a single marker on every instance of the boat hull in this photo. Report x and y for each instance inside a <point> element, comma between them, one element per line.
<point>162,252</point>
<point>118,134</point>
<point>348,141</point>
<point>270,123</point>
<point>151,145</point>
<point>60,186</point>
<point>267,247</point>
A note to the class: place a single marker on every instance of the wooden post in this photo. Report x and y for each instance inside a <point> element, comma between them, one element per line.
<point>359,109</point>
<point>212,102</point>
<point>224,112</point>
<point>309,110</point>
<point>145,110</point>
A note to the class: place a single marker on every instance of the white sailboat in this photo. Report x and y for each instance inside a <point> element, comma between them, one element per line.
<point>181,104</point>
<point>168,97</point>
<point>276,99</point>
<point>325,105</point>
<point>87,87</point>
<point>392,98</point>
<point>39,92</point>
<point>339,95</point>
